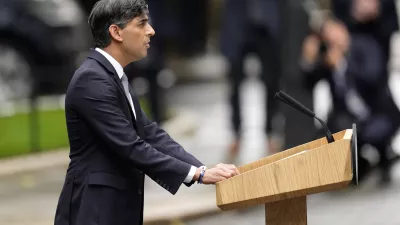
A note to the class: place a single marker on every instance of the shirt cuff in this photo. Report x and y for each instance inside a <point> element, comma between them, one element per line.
<point>190,175</point>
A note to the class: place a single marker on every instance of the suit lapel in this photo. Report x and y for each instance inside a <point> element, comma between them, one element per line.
<point>107,65</point>
<point>138,111</point>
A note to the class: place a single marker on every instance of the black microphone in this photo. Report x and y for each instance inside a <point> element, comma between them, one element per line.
<point>282,96</point>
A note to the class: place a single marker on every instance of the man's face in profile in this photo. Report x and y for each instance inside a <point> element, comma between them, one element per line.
<point>136,37</point>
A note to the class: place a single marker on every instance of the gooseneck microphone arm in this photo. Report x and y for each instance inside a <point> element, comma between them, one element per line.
<point>285,98</point>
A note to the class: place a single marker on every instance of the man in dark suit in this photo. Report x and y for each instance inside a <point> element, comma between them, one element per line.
<point>252,26</point>
<point>112,142</point>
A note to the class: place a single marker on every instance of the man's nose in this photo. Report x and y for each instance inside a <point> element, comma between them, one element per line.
<point>151,31</point>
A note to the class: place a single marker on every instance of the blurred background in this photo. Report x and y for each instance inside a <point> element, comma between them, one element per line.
<point>209,80</point>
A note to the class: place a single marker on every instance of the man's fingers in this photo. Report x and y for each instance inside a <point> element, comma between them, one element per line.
<point>218,174</point>
<point>221,178</point>
<point>223,172</point>
<point>231,171</point>
<point>233,168</point>
<point>227,173</point>
<point>228,168</point>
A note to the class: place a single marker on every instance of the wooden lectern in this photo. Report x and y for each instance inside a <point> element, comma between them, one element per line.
<point>283,180</point>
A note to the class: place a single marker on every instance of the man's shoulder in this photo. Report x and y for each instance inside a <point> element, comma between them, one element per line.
<point>90,66</point>
<point>87,70</point>
<point>86,75</point>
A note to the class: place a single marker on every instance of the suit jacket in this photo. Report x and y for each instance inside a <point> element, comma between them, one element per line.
<point>110,151</point>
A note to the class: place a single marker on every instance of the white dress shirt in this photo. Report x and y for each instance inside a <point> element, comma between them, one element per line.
<point>120,71</point>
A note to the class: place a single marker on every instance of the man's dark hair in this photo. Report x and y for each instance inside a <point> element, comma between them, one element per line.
<point>108,12</point>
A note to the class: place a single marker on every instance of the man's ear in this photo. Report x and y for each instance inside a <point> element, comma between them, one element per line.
<point>115,32</point>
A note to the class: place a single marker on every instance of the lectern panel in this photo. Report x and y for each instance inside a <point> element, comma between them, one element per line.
<point>327,167</point>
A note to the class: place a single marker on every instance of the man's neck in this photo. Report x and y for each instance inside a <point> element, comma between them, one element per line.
<point>117,55</point>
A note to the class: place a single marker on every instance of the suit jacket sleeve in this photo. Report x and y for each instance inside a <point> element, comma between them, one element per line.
<point>96,100</point>
<point>161,141</point>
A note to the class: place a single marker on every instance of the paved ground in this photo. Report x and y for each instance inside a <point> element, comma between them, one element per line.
<point>31,197</point>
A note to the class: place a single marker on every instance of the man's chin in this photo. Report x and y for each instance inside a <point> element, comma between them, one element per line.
<point>144,53</point>
<point>142,56</point>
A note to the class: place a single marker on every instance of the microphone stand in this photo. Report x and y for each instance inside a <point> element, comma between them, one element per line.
<point>285,98</point>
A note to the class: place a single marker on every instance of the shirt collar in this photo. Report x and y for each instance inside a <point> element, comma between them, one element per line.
<point>114,63</point>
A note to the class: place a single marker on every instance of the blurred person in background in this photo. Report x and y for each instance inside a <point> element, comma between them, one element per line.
<point>375,20</point>
<point>354,66</point>
<point>112,142</point>
<point>252,26</point>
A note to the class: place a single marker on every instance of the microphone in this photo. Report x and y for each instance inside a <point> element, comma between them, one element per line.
<point>285,98</point>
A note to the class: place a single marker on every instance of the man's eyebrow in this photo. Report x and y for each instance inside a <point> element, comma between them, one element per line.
<point>143,19</point>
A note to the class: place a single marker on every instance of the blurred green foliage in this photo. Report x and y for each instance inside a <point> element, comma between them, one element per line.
<point>15,135</point>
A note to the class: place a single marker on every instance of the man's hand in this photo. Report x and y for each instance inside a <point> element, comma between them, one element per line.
<point>217,173</point>
<point>333,57</point>
<point>311,48</point>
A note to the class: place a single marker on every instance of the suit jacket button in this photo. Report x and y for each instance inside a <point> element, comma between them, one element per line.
<point>140,191</point>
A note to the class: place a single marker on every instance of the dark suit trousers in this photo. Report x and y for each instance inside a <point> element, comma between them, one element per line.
<point>265,47</point>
